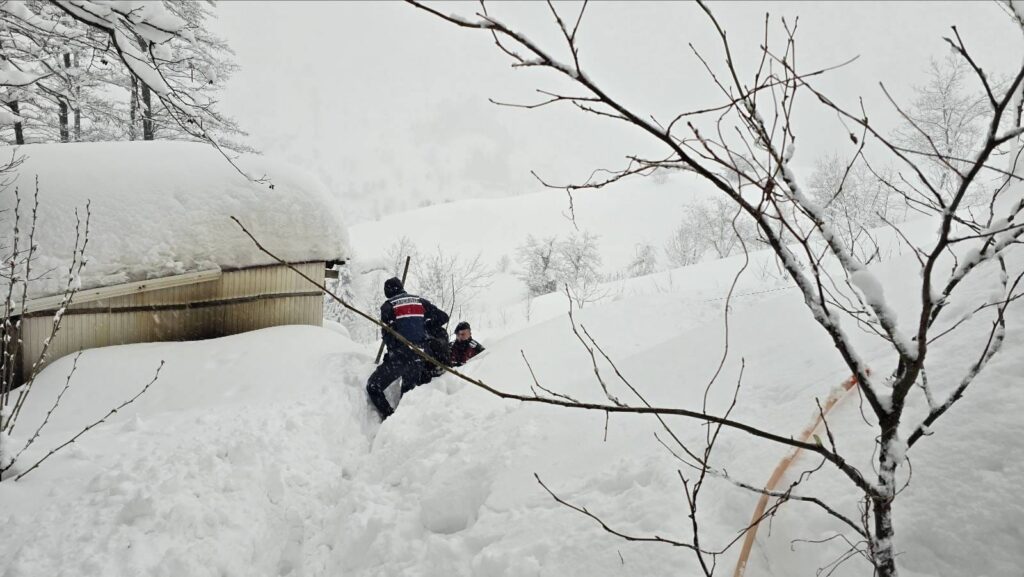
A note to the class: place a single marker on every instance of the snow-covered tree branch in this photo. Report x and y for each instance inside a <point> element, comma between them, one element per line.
<point>749,142</point>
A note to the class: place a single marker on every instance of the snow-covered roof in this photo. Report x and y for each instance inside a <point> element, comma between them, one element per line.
<point>163,208</point>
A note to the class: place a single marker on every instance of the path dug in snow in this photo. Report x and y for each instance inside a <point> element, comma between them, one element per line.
<point>226,466</point>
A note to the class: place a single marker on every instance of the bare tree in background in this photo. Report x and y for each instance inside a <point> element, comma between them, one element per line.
<point>53,53</point>
<point>686,245</point>
<point>754,123</point>
<point>714,228</point>
<point>395,255</point>
<point>949,116</point>
<point>579,268</point>
<point>450,280</point>
<point>855,202</point>
<point>645,261</point>
<point>538,258</point>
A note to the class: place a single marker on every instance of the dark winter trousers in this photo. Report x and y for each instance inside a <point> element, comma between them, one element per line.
<point>405,366</point>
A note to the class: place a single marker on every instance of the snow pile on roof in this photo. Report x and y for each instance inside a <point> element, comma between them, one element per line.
<point>164,208</point>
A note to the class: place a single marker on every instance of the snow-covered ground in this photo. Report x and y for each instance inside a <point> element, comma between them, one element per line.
<point>494,229</point>
<point>258,454</point>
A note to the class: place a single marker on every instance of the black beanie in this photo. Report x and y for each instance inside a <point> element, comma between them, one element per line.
<point>463,326</point>
<point>393,286</point>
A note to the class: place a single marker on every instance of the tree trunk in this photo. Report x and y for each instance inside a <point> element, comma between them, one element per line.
<point>62,115</point>
<point>147,101</point>
<point>133,107</point>
<point>882,545</point>
<point>19,132</point>
<point>62,110</point>
<point>78,106</point>
<point>147,114</point>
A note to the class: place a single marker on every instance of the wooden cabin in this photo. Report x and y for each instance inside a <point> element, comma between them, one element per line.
<point>227,286</point>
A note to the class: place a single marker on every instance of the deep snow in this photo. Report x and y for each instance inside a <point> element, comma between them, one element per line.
<point>257,454</point>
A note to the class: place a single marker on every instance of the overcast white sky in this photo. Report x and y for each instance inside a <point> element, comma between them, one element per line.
<point>389,104</point>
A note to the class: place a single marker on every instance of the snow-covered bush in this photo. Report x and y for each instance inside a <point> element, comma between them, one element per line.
<point>709,228</point>
<point>551,264</point>
<point>579,262</point>
<point>644,262</point>
<point>541,267</point>
<point>686,245</point>
<point>854,201</point>
<point>20,254</point>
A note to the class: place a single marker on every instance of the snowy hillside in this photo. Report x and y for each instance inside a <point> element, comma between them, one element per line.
<point>496,227</point>
<point>257,455</point>
<point>493,230</point>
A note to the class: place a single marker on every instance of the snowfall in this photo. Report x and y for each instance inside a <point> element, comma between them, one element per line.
<point>258,454</point>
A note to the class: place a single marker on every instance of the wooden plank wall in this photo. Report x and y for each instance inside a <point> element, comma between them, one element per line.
<point>159,315</point>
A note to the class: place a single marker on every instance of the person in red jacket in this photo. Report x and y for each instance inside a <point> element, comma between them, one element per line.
<point>464,347</point>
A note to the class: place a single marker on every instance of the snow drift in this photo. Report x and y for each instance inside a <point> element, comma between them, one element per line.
<point>256,455</point>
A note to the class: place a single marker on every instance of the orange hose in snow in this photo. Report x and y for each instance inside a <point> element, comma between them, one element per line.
<point>780,470</point>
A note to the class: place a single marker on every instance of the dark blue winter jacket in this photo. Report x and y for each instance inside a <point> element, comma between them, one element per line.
<point>411,316</point>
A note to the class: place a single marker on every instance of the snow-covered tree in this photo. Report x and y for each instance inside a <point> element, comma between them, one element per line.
<point>945,127</point>
<point>721,225</point>
<point>645,261</point>
<point>541,267</point>
<point>579,267</point>
<point>206,64</point>
<point>686,246</point>
<point>90,70</point>
<point>855,201</point>
<point>550,264</point>
<point>709,228</point>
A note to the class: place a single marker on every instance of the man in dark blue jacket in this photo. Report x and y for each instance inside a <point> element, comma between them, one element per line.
<point>412,317</point>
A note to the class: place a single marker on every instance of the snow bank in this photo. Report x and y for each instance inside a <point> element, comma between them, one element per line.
<point>452,473</point>
<point>256,454</point>
<point>223,467</point>
<point>164,208</point>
